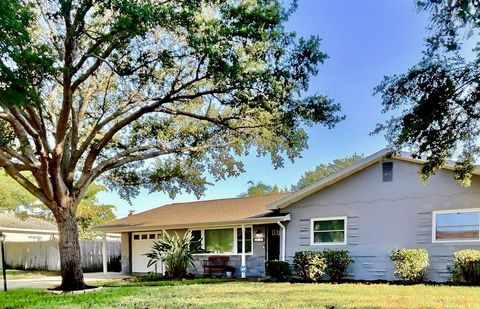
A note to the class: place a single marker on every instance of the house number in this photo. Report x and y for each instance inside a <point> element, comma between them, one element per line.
<point>276,232</point>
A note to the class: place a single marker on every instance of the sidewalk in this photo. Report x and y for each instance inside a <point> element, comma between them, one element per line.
<point>52,281</point>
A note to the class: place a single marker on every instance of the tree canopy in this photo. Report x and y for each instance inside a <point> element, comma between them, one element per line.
<point>148,94</point>
<point>309,177</point>
<point>324,170</point>
<point>436,103</point>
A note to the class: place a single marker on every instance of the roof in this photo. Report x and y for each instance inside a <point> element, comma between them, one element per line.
<point>209,212</point>
<point>352,169</point>
<point>10,221</point>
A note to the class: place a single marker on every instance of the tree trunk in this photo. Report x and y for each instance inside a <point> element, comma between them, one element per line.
<point>70,262</point>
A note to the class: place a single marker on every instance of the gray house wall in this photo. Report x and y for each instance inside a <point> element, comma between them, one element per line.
<point>383,216</point>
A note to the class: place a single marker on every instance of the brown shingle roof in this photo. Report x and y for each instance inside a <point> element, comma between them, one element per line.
<point>11,221</point>
<point>199,212</point>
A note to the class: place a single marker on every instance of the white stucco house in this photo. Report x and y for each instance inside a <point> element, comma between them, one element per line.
<point>369,209</point>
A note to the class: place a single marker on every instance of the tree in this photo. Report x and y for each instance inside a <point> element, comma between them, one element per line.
<point>436,103</point>
<point>260,188</point>
<point>325,170</point>
<point>149,94</point>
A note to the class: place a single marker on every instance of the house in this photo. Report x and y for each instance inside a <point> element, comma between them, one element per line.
<point>26,229</point>
<point>369,209</point>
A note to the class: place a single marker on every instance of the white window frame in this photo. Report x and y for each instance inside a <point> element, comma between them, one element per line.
<point>312,238</point>
<point>450,211</point>
<point>148,235</point>
<point>202,230</point>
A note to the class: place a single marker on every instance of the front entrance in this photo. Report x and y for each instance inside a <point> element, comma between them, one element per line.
<point>273,242</point>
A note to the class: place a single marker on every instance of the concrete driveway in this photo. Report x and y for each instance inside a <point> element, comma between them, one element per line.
<point>52,281</point>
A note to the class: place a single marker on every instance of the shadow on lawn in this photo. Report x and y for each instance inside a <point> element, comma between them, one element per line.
<point>138,282</point>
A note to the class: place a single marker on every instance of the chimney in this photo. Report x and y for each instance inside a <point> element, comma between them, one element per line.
<point>131,212</point>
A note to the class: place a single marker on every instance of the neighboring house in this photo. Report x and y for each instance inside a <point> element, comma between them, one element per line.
<point>369,208</point>
<point>23,229</point>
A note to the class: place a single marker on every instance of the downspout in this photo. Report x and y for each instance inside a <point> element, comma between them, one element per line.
<point>284,242</point>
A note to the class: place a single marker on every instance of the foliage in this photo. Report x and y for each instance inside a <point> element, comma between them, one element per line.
<point>148,94</point>
<point>325,170</point>
<point>410,264</point>
<point>337,263</point>
<point>309,265</point>
<point>278,270</point>
<point>13,196</point>
<point>466,266</point>
<point>175,252</point>
<point>435,105</point>
<point>91,212</point>
<point>260,189</point>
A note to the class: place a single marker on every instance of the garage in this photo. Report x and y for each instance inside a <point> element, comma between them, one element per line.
<point>142,243</point>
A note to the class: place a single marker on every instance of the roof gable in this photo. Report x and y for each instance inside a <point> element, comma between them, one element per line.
<point>345,173</point>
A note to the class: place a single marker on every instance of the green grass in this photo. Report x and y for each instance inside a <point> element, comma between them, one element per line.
<point>208,293</point>
<point>29,274</point>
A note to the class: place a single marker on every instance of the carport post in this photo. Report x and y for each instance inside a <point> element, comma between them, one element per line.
<point>104,253</point>
<point>244,272</point>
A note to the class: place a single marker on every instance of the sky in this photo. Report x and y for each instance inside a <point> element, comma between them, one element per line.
<point>365,40</point>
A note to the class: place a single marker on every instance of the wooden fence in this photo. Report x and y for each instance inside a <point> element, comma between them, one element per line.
<point>44,255</point>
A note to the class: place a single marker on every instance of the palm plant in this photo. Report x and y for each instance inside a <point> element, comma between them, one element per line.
<point>176,253</point>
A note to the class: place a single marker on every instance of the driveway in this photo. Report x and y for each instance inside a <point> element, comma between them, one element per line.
<point>52,281</point>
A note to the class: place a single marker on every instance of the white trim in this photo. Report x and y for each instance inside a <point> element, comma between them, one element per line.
<point>16,229</point>
<point>452,211</point>
<point>235,251</point>
<point>313,220</point>
<point>284,241</point>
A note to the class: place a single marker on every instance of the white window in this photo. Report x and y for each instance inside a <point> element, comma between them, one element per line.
<point>328,231</point>
<point>223,240</point>
<point>461,225</point>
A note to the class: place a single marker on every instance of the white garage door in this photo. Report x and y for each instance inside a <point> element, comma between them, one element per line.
<point>141,244</point>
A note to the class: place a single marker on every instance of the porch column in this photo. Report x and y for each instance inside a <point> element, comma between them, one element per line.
<point>104,253</point>
<point>244,262</point>
<point>283,245</point>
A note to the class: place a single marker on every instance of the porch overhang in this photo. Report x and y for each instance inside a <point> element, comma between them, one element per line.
<point>144,228</point>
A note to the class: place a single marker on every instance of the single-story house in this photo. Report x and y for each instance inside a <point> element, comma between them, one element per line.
<point>25,229</point>
<point>370,208</point>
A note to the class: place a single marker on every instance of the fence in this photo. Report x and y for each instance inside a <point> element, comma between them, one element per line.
<point>44,255</point>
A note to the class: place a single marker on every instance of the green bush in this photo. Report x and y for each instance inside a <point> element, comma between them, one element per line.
<point>466,266</point>
<point>278,270</point>
<point>337,263</point>
<point>410,264</point>
<point>309,265</point>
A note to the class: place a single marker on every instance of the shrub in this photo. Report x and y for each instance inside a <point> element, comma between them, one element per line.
<point>466,266</point>
<point>410,264</point>
<point>175,252</point>
<point>337,263</point>
<point>278,270</point>
<point>309,265</point>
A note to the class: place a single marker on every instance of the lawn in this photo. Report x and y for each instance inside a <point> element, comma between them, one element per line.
<point>218,294</point>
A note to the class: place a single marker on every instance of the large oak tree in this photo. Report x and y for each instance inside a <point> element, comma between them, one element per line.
<point>147,94</point>
<point>436,104</point>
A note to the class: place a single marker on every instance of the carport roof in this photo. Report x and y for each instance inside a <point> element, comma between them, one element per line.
<point>209,212</point>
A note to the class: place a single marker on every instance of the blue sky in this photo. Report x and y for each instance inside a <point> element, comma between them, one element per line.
<point>365,40</point>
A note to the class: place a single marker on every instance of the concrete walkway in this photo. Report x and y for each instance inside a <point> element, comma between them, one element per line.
<point>52,281</point>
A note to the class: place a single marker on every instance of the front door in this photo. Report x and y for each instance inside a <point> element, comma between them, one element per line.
<point>273,242</point>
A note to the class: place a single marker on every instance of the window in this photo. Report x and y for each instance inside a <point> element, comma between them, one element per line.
<point>196,243</point>
<point>328,231</point>
<point>144,236</point>
<point>248,240</point>
<point>219,241</point>
<point>456,225</point>
<point>225,240</point>
<point>151,236</point>
<point>387,171</point>
<point>136,237</point>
